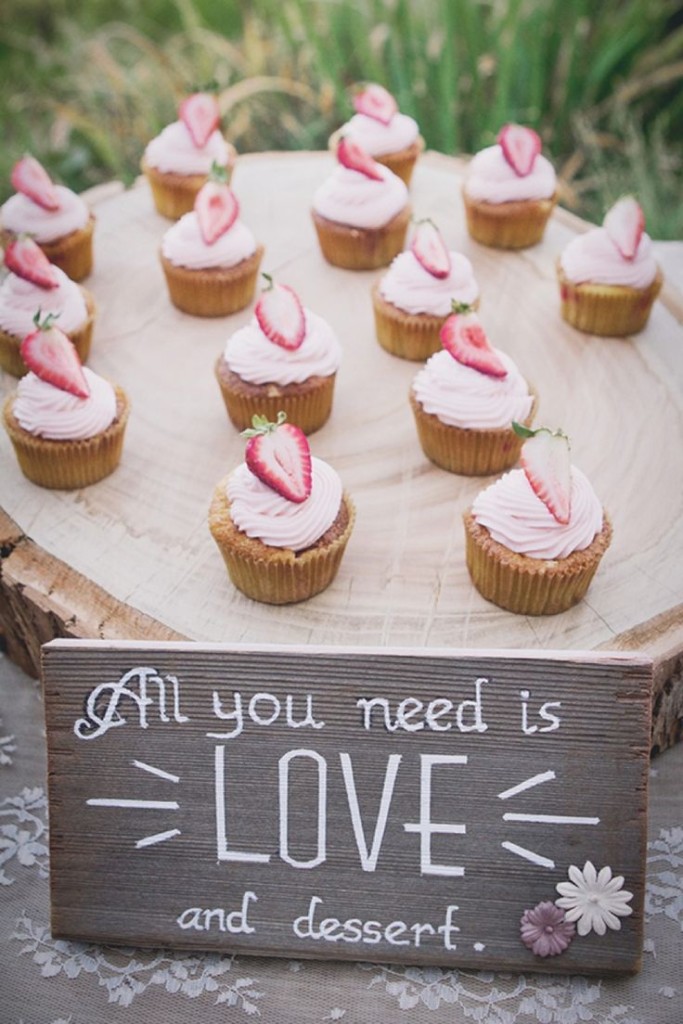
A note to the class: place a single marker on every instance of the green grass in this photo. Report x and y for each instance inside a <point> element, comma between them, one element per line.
<point>86,85</point>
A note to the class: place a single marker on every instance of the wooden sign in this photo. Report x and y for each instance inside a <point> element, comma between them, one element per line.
<point>385,805</point>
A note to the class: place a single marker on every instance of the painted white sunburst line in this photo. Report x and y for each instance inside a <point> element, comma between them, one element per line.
<point>156,771</point>
<point>551,819</point>
<point>156,805</point>
<point>535,780</point>
<point>160,837</point>
<point>535,858</point>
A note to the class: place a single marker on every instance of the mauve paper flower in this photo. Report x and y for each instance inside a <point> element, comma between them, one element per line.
<point>545,930</point>
<point>594,899</point>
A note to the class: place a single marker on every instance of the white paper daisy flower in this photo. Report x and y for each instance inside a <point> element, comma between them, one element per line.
<point>594,899</point>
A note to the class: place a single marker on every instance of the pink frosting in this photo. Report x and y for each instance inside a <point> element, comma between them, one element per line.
<point>47,411</point>
<point>260,512</point>
<point>20,300</point>
<point>491,179</point>
<point>461,396</point>
<point>21,215</point>
<point>594,257</point>
<point>377,138</point>
<point>173,151</point>
<point>184,246</point>
<point>350,197</point>
<point>518,519</point>
<point>254,358</point>
<point>408,286</point>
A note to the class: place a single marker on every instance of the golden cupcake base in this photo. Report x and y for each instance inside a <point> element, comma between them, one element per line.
<point>174,194</point>
<point>514,225</point>
<point>362,248</point>
<point>214,291</point>
<point>72,253</point>
<point>608,310</point>
<point>308,405</point>
<point>413,336</point>
<point>10,344</point>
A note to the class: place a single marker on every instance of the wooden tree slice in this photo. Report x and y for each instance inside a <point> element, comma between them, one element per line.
<point>132,555</point>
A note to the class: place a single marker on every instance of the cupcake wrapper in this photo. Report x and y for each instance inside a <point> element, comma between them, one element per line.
<point>10,344</point>
<point>607,310</point>
<point>72,253</point>
<point>68,465</point>
<point>414,336</point>
<point>403,162</point>
<point>530,586</point>
<point>468,452</point>
<point>515,225</point>
<point>217,291</point>
<point>362,248</point>
<point>174,194</point>
<point>308,407</point>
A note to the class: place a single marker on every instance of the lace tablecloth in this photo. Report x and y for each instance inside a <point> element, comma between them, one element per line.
<point>54,982</point>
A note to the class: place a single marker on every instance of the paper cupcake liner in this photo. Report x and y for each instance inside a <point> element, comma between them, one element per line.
<point>403,161</point>
<point>362,248</point>
<point>174,194</point>
<point>607,310</point>
<point>72,253</point>
<point>468,452</point>
<point>515,225</point>
<point>214,291</point>
<point>530,586</point>
<point>413,336</point>
<point>276,575</point>
<point>308,405</point>
<point>10,344</point>
<point>68,465</point>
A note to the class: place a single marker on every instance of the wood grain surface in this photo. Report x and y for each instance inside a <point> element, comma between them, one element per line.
<point>138,542</point>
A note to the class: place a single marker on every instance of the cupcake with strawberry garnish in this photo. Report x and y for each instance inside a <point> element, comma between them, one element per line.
<point>286,358</point>
<point>378,126</point>
<point>608,277</point>
<point>361,212</point>
<point>178,162</point>
<point>65,422</point>
<point>53,215</point>
<point>466,398</point>
<point>510,190</point>
<point>414,297</point>
<point>33,284</point>
<point>536,536</point>
<point>210,258</point>
<point>282,519</point>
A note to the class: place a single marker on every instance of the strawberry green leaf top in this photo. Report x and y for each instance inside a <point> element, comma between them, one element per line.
<point>545,461</point>
<point>624,223</point>
<point>51,356</point>
<point>217,210</point>
<point>430,250</point>
<point>280,315</point>
<point>520,147</point>
<point>25,258</point>
<point>463,336</point>
<point>375,101</point>
<point>352,155</point>
<point>280,456</point>
<point>201,115</point>
<point>31,179</point>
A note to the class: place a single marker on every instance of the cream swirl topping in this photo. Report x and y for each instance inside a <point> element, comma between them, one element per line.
<point>518,519</point>
<point>461,396</point>
<point>173,151</point>
<point>594,257</point>
<point>262,513</point>
<point>22,216</point>
<point>408,286</point>
<point>184,246</point>
<point>377,138</point>
<point>350,197</point>
<point>20,300</point>
<point>491,179</point>
<point>254,358</point>
<point>46,411</point>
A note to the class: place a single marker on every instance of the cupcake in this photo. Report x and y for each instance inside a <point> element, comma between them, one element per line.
<point>58,219</point>
<point>414,297</point>
<point>510,191</point>
<point>286,358</point>
<point>361,212</point>
<point>210,257</point>
<point>178,161</point>
<point>34,286</point>
<point>535,537</point>
<point>608,277</point>
<point>386,134</point>
<point>65,422</point>
<point>281,519</point>
<point>466,398</point>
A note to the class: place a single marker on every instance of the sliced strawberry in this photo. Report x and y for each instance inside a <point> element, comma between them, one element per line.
<point>375,101</point>
<point>625,223</point>
<point>430,250</point>
<point>52,357</point>
<point>545,461</point>
<point>217,209</point>
<point>26,259</point>
<point>280,315</point>
<point>465,339</point>
<point>350,154</point>
<point>280,456</point>
<point>520,147</point>
<point>201,115</point>
<point>31,179</point>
